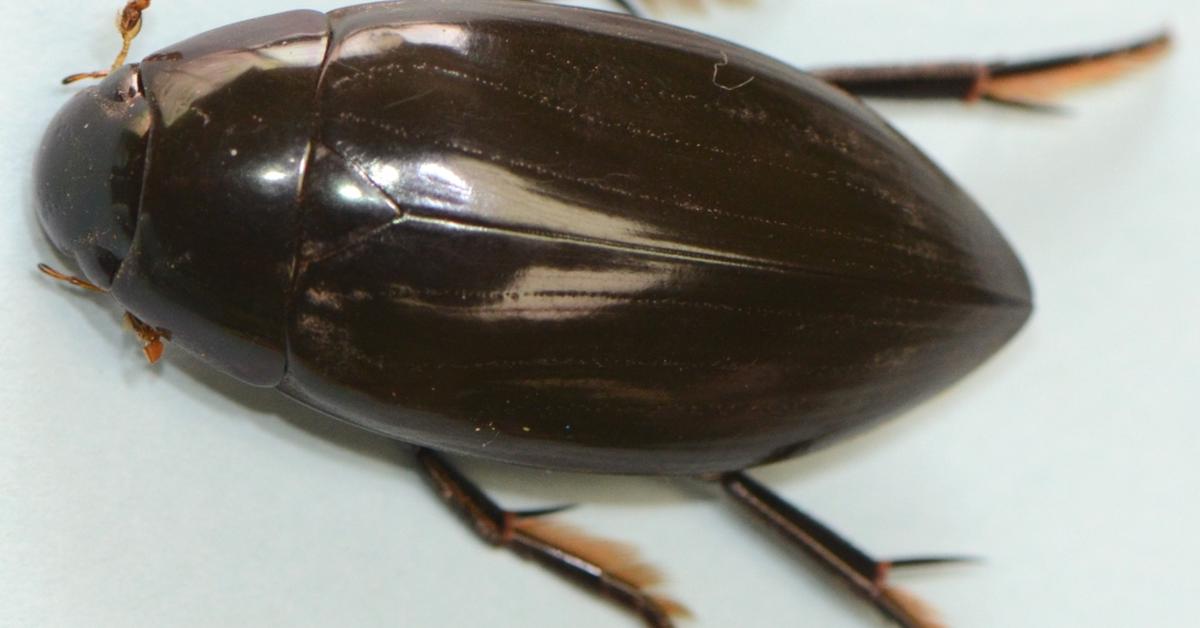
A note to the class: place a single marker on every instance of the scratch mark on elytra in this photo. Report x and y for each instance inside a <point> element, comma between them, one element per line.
<point>495,433</point>
<point>342,64</point>
<point>717,70</point>
<point>409,99</point>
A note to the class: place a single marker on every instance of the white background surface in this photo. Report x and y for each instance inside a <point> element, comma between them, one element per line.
<point>137,496</point>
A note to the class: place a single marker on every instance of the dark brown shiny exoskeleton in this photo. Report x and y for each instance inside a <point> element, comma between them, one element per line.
<point>541,235</point>
<point>581,239</point>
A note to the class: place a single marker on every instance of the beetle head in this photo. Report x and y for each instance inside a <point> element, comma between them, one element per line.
<point>88,175</point>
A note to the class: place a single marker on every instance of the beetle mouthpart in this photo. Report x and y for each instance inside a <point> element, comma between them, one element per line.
<point>71,279</point>
<point>152,337</point>
<point>129,24</point>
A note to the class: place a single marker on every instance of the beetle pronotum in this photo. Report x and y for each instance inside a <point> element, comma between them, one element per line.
<point>544,236</point>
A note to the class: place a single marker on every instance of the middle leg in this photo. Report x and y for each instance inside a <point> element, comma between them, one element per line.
<point>605,567</point>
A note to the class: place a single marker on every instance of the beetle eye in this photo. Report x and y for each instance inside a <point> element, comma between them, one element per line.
<point>129,91</point>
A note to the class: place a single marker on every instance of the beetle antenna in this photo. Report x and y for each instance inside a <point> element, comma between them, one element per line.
<point>74,281</point>
<point>129,24</point>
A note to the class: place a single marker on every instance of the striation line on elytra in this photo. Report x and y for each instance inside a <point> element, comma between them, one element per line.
<point>482,298</point>
<point>934,269</point>
<point>599,120</point>
<point>637,131</point>
<point>685,254</point>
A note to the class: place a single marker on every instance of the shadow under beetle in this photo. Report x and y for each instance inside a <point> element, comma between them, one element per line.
<point>546,236</point>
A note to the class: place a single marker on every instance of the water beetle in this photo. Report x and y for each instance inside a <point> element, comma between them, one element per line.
<point>540,235</point>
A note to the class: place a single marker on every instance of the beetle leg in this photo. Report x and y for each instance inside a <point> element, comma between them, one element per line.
<point>1026,84</point>
<point>627,6</point>
<point>866,576</point>
<point>631,8</point>
<point>608,568</point>
<point>654,6</point>
<point>930,561</point>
